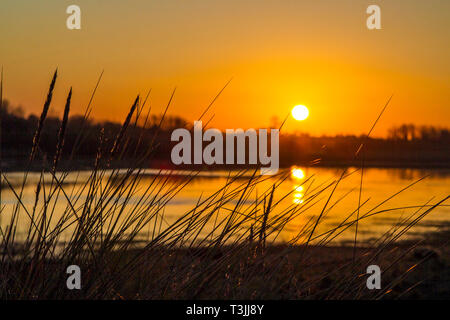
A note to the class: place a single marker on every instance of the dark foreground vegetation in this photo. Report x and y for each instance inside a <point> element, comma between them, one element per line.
<point>245,271</point>
<point>119,235</point>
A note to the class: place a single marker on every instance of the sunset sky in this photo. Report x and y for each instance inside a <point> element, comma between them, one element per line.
<point>280,53</point>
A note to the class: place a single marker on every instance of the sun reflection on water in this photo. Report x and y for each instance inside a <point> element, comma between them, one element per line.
<point>298,175</point>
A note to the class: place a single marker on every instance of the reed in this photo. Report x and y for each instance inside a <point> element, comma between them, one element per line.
<point>62,131</point>
<point>37,135</point>
<point>114,224</point>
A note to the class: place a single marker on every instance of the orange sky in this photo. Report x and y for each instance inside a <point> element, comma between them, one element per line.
<point>280,53</point>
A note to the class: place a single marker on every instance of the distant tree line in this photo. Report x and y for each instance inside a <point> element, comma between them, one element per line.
<point>408,132</point>
<point>84,138</point>
<point>429,151</point>
<point>405,145</point>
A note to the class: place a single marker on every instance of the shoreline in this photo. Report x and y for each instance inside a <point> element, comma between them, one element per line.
<point>18,166</point>
<point>410,270</point>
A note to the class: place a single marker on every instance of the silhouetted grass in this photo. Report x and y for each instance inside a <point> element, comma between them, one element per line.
<point>222,248</point>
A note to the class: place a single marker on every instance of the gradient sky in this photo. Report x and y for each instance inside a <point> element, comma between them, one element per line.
<point>280,53</point>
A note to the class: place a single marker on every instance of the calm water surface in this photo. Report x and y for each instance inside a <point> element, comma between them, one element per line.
<point>301,188</point>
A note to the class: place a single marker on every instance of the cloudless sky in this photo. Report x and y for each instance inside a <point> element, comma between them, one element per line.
<point>280,53</point>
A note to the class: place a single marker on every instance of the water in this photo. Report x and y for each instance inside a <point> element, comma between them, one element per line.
<point>302,186</point>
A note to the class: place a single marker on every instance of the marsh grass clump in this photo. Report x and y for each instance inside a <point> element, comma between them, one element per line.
<point>113,224</point>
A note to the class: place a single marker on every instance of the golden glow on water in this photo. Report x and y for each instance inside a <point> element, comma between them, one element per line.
<point>298,175</point>
<point>305,196</point>
<point>298,198</point>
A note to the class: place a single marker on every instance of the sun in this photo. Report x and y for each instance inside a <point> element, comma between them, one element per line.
<point>300,112</point>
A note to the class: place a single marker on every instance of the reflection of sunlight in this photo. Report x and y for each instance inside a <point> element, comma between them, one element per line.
<point>298,194</point>
<point>297,198</point>
<point>297,173</point>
